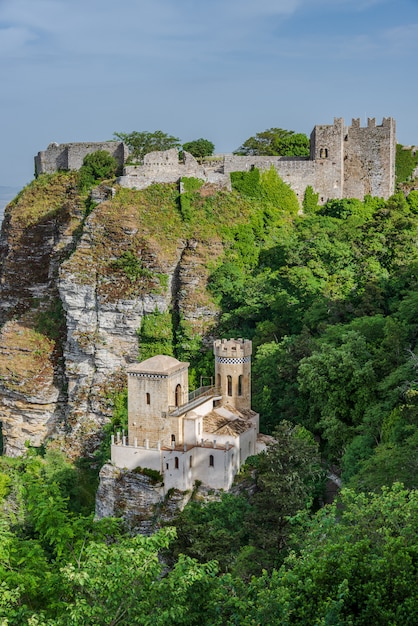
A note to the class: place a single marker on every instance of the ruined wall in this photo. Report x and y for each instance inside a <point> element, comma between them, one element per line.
<point>344,162</point>
<point>69,156</point>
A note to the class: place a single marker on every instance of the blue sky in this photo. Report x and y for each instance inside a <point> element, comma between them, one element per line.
<point>80,70</point>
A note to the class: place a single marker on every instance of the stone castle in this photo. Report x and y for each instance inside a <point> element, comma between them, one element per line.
<point>344,162</point>
<point>203,436</point>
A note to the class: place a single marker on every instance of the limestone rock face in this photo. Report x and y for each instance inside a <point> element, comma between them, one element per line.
<point>74,292</point>
<point>136,499</point>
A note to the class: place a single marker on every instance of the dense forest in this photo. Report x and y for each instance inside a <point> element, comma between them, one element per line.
<point>329,298</point>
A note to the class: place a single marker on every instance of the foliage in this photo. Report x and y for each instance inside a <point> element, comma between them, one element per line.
<point>199,148</point>
<point>406,162</point>
<point>51,322</point>
<point>99,165</point>
<point>141,143</point>
<point>133,267</point>
<point>155,335</point>
<point>154,475</point>
<point>275,142</point>
<point>310,200</point>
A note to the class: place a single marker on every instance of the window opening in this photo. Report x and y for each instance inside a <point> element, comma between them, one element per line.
<point>240,385</point>
<point>178,395</point>
<point>229,379</point>
<point>148,398</point>
<point>176,462</point>
<point>211,461</point>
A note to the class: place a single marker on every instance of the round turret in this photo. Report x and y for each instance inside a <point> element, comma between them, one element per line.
<point>233,371</point>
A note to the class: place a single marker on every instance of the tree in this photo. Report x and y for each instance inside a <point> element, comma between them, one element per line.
<point>287,476</point>
<point>199,148</point>
<point>143,142</point>
<point>96,166</point>
<point>275,142</point>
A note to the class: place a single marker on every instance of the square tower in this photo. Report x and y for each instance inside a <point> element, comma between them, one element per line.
<point>154,387</point>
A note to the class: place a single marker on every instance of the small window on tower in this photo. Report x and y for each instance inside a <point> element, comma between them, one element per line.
<point>240,385</point>
<point>176,462</point>
<point>148,398</point>
<point>211,461</point>
<point>229,381</point>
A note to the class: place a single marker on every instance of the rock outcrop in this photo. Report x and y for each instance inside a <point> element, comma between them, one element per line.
<point>94,279</point>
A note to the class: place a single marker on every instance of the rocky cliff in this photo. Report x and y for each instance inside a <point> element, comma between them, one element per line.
<point>75,287</point>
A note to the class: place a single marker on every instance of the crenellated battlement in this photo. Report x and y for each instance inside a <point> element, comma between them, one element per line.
<point>232,348</point>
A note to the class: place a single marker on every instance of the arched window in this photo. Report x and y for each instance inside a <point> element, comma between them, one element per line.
<point>148,398</point>
<point>323,153</point>
<point>176,462</point>
<point>178,395</point>
<point>229,381</point>
<point>240,378</point>
<point>173,439</point>
<point>211,461</point>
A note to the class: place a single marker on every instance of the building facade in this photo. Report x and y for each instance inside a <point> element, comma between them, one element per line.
<point>204,436</point>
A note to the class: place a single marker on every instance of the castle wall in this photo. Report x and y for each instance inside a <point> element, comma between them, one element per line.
<point>69,156</point>
<point>369,159</point>
<point>344,162</point>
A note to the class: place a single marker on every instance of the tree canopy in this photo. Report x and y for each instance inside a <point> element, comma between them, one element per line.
<point>142,142</point>
<point>199,148</point>
<point>275,142</point>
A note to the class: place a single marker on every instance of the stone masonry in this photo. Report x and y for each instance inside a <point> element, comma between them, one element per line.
<point>344,162</point>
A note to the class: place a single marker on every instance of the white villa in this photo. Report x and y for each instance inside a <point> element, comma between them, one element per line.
<point>202,436</point>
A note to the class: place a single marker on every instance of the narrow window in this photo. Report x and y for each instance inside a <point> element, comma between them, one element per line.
<point>218,381</point>
<point>229,380</point>
<point>178,395</point>
<point>176,462</point>
<point>211,461</point>
<point>173,439</point>
<point>148,398</point>
<point>166,466</point>
<point>240,385</point>
<point>190,461</point>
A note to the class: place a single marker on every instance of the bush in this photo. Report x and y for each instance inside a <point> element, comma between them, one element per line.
<point>97,166</point>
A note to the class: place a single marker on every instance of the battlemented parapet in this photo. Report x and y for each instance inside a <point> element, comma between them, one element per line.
<point>69,156</point>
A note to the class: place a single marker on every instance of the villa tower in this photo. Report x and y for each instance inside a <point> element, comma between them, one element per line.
<point>233,371</point>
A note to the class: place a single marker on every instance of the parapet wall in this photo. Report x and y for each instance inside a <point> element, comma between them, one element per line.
<point>69,156</point>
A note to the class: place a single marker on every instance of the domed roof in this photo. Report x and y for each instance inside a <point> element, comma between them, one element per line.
<point>159,364</point>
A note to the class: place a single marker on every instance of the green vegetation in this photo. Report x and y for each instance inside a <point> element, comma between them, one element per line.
<point>199,148</point>
<point>406,162</point>
<point>142,142</point>
<point>329,299</point>
<point>155,335</point>
<point>275,142</point>
<point>97,166</point>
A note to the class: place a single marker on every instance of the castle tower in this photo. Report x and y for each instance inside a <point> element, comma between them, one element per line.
<point>233,371</point>
<point>154,387</point>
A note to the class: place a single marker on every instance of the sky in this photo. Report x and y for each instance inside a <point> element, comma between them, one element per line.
<point>81,70</point>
